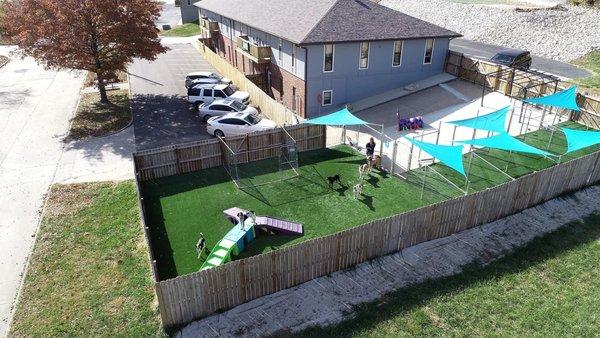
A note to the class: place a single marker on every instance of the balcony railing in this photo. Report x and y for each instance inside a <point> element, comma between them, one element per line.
<point>212,27</point>
<point>259,54</point>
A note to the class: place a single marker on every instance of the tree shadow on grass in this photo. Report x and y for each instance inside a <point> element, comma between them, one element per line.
<point>365,317</point>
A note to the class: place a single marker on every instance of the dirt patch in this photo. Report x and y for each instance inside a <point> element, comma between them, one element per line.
<point>96,119</point>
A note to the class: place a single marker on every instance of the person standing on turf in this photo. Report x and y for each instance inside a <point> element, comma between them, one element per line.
<point>370,149</point>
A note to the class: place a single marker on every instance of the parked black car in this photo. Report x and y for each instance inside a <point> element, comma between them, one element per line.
<point>516,58</point>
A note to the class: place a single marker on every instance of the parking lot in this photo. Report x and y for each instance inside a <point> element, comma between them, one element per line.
<point>162,116</point>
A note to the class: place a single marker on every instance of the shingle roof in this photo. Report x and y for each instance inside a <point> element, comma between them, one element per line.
<point>288,19</point>
<point>364,20</point>
<point>322,21</point>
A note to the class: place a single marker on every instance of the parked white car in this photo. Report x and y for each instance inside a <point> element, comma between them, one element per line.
<point>222,107</point>
<point>205,78</point>
<point>234,124</point>
<point>207,93</point>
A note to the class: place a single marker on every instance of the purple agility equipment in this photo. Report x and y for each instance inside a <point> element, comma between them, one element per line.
<point>273,224</point>
<point>280,226</point>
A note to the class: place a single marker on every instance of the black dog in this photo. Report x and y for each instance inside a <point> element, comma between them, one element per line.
<point>334,178</point>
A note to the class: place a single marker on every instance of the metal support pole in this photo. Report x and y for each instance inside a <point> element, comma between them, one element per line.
<point>381,141</point>
<point>453,135</point>
<point>344,134</point>
<point>484,87</point>
<point>512,112</point>
<point>523,106</point>
<point>527,126</point>
<point>552,134</point>
<point>393,164</point>
<point>419,156</point>
<point>410,156</point>
<point>423,186</point>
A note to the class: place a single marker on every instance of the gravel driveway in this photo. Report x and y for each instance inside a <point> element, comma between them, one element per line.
<point>161,115</point>
<point>556,34</point>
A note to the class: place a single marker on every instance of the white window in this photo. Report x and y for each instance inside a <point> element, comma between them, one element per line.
<point>328,54</point>
<point>280,56</point>
<point>364,55</point>
<point>327,97</point>
<point>397,58</point>
<point>428,51</point>
<point>225,25</point>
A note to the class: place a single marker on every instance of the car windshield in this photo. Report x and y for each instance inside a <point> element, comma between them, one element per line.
<point>238,106</point>
<point>503,58</point>
<point>252,119</point>
<point>229,91</point>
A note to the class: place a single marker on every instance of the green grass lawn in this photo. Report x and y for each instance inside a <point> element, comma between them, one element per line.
<point>89,273</point>
<point>548,288</point>
<point>96,119</point>
<point>181,207</point>
<point>591,61</point>
<point>187,29</point>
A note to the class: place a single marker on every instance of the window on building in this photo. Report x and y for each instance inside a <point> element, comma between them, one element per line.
<point>328,51</point>
<point>293,56</point>
<point>364,55</point>
<point>280,50</point>
<point>397,60</point>
<point>428,51</point>
<point>327,97</point>
<point>225,25</point>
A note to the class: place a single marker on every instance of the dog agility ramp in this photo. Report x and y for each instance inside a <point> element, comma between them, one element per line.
<point>279,226</point>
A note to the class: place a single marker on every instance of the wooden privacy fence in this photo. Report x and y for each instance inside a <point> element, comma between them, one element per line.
<point>474,70</point>
<point>268,106</point>
<point>194,156</point>
<point>193,296</point>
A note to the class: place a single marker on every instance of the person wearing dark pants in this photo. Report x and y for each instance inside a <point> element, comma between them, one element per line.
<point>370,149</point>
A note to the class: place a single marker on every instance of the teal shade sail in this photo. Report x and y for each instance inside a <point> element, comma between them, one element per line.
<point>494,121</point>
<point>505,142</point>
<point>579,139</point>
<point>566,99</point>
<point>340,118</point>
<point>449,155</point>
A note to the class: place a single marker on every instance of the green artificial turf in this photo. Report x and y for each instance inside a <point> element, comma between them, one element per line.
<point>179,208</point>
<point>549,288</point>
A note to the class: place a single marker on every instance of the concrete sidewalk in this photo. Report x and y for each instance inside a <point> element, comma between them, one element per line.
<point>394,94</point>
<point>329,300</point>
<point>35,108</point>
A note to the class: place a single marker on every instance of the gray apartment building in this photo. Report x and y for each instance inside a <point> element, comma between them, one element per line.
<point>318,55</point>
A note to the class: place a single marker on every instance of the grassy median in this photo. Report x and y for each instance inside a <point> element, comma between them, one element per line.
<point>89,274</point>
<point>96,119</point>
<point>591,62</point>
<point>185,30</point>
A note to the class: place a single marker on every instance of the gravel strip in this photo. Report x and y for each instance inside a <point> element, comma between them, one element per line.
<point>562,34</point>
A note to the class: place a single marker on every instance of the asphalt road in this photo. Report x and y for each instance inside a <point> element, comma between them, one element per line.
<point>161,114</point>
<point>486,51</point>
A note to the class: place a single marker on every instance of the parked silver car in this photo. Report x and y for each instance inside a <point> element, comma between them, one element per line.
<point>196,78</point>
<point>222,107</point>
